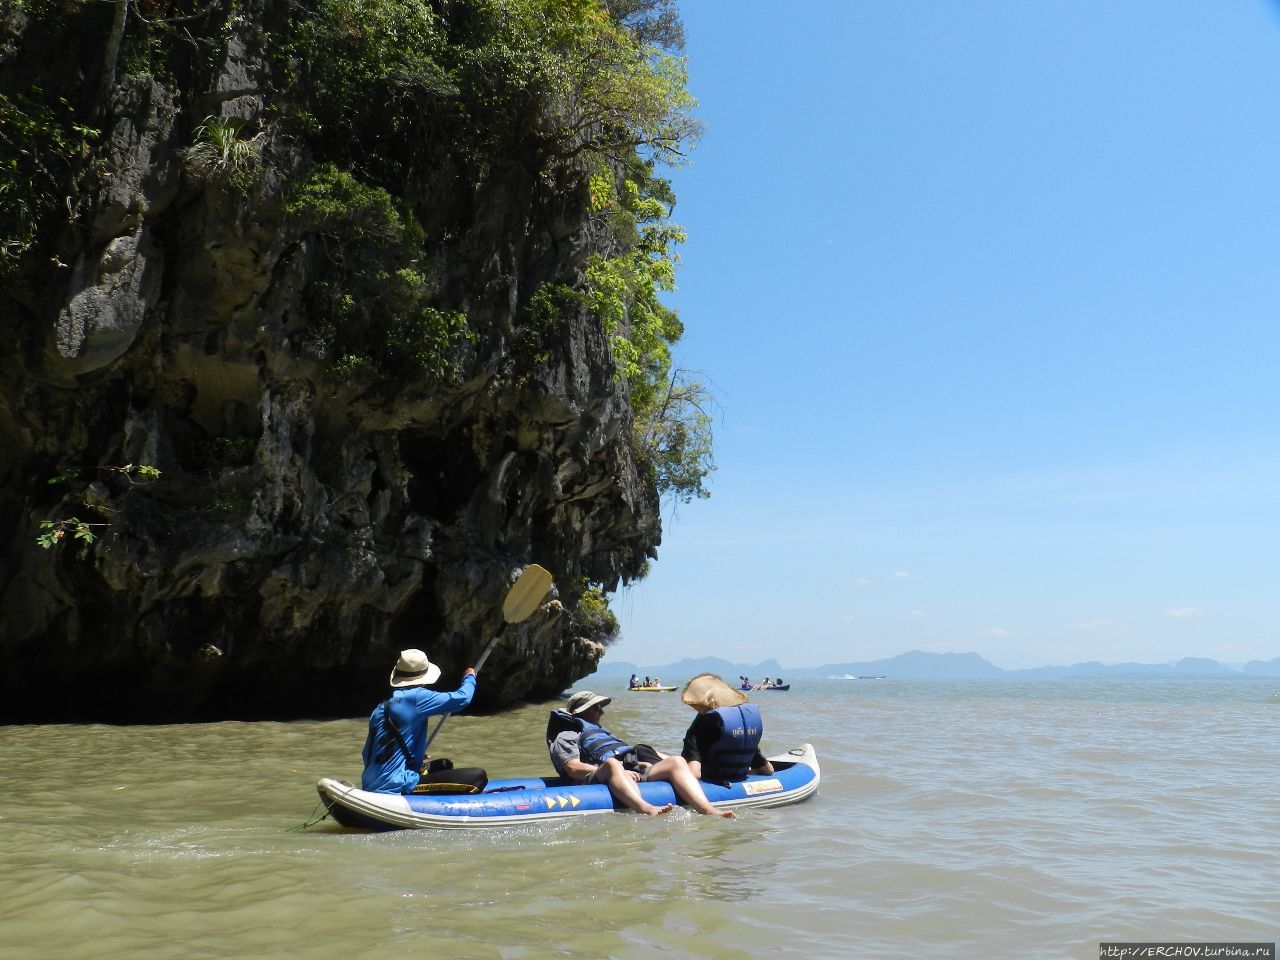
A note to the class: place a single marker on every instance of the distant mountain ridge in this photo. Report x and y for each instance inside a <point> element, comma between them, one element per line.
<point>920,665</point>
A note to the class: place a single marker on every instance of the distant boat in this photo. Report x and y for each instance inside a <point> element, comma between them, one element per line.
<point>850,676</point>
<point>650,689</point>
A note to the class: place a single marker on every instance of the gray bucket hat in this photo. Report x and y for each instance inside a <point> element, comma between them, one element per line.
<point>584,700</point>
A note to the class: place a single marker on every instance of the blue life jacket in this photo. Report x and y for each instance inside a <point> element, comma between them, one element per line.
<point>729,758</point>
<point>595,745</point>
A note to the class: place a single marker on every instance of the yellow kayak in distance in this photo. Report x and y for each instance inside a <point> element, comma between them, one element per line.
<point>650,689</point>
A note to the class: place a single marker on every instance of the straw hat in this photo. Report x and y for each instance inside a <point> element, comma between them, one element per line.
<point>413,669</point>
<point>706,691</point>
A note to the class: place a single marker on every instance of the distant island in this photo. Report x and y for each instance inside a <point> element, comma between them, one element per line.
<point>919,665</point>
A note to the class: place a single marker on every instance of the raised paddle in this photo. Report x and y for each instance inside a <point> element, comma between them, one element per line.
<point>524,597</point>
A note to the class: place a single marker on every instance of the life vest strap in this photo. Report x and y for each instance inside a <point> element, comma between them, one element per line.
<point>384,754</point>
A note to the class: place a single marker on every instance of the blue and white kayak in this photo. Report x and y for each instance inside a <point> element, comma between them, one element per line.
<point>504,803</point>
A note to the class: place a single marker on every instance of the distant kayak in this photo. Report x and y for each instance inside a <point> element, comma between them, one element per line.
<point>780,686</point>
<point>650,689</point>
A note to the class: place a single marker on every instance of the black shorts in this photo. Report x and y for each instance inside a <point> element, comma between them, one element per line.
<point>641,753</point>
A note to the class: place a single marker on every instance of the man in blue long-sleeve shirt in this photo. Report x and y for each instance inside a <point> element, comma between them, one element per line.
<point>397,740</point>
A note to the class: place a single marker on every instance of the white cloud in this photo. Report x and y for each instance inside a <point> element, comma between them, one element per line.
<point>917,614</point>
<point>902,575</point>
<point>862,582</point>
<point>993,632</point>
<point>1183,613</point>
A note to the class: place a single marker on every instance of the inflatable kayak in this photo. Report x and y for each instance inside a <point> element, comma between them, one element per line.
<point>650,689</point>
<point>505,803</point>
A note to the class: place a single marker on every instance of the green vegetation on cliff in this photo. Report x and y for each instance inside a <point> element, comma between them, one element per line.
<point>42,146</point>
<point>573,90</point>
<point>588,96</point>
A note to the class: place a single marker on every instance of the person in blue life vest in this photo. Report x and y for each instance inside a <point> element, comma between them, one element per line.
<point>397,740</point>
<point>722,745</point>
<point>585,752</point>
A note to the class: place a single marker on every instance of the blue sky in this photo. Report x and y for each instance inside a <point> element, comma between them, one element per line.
<point>988,294</point>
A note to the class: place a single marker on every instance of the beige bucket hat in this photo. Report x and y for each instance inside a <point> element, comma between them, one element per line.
<point>707,691</point>
<point>413,669</point>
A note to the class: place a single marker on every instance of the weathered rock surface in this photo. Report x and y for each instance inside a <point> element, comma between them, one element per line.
<point>303,529</point>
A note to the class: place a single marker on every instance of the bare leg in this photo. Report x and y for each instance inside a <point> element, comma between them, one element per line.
<point>622,786</point>
<point>675,770</point>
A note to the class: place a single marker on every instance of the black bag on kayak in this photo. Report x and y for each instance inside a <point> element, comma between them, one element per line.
<point>452,779</point>
<point>644,754</point>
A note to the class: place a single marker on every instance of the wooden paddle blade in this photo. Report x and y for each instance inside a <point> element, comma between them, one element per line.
<point>525,595</point>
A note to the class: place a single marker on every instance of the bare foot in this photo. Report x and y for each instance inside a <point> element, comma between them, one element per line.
<point>659,811</point>
<point>717,812</point>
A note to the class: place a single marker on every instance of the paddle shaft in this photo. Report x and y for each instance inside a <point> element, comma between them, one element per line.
<point>479,663</point>
<point>522,599</point>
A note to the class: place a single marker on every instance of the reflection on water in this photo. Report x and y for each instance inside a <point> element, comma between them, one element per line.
<point>954,819</point>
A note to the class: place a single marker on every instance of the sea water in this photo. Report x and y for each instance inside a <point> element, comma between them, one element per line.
<point>974,819</point>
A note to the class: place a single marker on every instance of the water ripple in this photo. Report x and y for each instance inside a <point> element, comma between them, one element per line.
<point>954,820</point>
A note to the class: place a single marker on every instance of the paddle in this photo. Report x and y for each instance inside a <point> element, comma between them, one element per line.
<point>524,597</point>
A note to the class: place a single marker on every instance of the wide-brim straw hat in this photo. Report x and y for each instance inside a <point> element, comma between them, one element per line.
<point>707,691</point>
<point>413,669</point>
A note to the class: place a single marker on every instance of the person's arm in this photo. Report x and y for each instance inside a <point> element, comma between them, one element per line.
<point>567,760</point>
<point>698,739</point>
<point>760,764</point>
<point>579,771</point>
<point>692,749</point>
<point>437,702</point>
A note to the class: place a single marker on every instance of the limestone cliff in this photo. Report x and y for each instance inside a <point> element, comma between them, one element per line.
<point>316,508</point>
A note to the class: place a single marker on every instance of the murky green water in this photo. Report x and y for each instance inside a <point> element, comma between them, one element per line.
<point>957,820</point>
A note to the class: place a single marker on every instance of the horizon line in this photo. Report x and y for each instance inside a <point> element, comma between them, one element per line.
<point>1231,665</point>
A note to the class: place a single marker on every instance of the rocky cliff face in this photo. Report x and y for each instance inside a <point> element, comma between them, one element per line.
<point>304,526</point>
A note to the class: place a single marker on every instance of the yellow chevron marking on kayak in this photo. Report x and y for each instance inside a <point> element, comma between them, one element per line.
<point>564,802</point>
<point>551,802</point>
<point>574,800</point>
